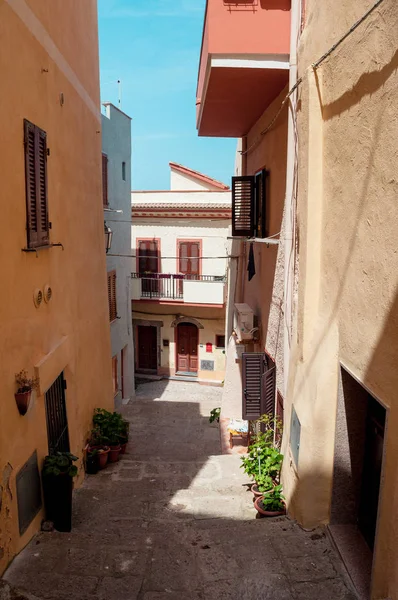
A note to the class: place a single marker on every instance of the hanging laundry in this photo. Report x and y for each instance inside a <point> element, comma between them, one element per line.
<point>251,267</point>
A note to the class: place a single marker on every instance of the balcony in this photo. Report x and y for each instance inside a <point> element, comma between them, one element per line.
<point>244,63</point>
<point>186,289</point>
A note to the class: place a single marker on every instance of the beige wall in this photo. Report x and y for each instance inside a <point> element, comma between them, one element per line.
<point>71,332</point>
<point>347,230</point>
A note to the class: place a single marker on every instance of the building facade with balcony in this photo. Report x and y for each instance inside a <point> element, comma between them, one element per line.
<point>116,188</point>
<point>54,312</point>
<point>180,248</point>
<point>314,174</point>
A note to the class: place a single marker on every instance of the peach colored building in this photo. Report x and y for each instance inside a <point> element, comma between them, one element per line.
<point>317,203</point>
<point>179,239</point>
<point>54,318</point>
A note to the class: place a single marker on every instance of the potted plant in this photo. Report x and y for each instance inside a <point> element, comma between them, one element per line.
<point>124,436</point>
<point>264,484</point>
<point>271,504</point>
<point>57,477</point>
<point>92,461</point>
<point>99,442</point>
<point>215,415</point>
<point>25,386</point>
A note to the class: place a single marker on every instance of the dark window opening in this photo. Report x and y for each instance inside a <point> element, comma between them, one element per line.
<point>220,341</point>
<point>124,171</point>
<point>249,205</point>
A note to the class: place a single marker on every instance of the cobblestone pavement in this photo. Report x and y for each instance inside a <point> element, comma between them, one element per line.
<point>173,521</point>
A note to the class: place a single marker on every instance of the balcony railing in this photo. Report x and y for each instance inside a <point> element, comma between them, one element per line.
<point>201,289</point>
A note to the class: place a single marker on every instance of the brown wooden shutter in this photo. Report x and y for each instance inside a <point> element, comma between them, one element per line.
<point>243,206</point>
<point>30,182</point>
<point>268,390</point>
<point>112,295</point>
<point>42,187</point>
<point>261,224</point>
<point>37,224</point>
<point>105,179</point>
<point>253,367</point>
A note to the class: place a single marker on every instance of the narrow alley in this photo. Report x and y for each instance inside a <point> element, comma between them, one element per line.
<point>173,520</point>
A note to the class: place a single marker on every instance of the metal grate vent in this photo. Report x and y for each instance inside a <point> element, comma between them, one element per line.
<point>28,493</point>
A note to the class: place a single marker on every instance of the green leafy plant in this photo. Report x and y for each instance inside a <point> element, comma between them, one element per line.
<point>274,500</point>
<point>109,427</point>
<point>60,463</point>
<point>215,414</point>
<point>25,383</point>
<point>264,482</point>
<point>97,438</point>
<point>262,458</point>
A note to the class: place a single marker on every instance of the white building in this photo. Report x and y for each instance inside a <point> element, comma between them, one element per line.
<point>116,165</point>
<point>179,240</point>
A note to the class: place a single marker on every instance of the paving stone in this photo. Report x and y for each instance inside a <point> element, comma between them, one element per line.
<point>332,589</point>
<point>118,588</point>
<point>173,520</point>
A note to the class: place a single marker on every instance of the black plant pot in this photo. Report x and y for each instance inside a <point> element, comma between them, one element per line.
<point>58,500</point>
<point>92,465</point>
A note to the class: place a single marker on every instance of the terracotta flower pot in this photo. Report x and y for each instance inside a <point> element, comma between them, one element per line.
<point>23,399</point>
<point>114,453</point>
<point>123,448</point>
<point>103,457</point>
<point>256,491</point>
<point>268,513</point>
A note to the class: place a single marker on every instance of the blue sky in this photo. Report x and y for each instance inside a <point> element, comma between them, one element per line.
<point>153,46</point>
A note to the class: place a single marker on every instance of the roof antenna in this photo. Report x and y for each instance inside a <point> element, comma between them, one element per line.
<point>119,82</point>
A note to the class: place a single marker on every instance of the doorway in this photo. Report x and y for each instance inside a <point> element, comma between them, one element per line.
<point>147,348</point>
<point>357,476</point>
<point>187,349</point>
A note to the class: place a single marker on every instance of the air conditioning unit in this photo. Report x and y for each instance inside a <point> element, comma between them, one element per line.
<point>243,322</point>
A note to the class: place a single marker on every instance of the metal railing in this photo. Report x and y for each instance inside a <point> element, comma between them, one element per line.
<point>168,285</point>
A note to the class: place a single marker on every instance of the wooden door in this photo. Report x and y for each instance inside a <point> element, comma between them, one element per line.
<point>371,473</point>
<point>147,348</point>
<point>187,348</point>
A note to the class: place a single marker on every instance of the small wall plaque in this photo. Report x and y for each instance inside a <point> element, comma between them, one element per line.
<point>207,365</point>
<point>166,343</point>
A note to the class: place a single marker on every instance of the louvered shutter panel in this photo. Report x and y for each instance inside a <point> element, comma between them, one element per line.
<point>243,206</point>
<point>261,225</point>
<point>268,390</point>
<point>31,186</point>
<point>253,367</point>
<point>42,204</point>
<point>105,180</point>
<point>110,295</point>
<point>114,307</point>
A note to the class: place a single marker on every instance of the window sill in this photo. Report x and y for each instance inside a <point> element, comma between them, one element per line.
<point>39,248</point>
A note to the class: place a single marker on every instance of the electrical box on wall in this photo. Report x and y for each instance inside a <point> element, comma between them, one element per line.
<point>243,322</point>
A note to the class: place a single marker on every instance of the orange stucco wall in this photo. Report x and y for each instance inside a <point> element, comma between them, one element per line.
<point>71,332</point>
<point>244,29</point>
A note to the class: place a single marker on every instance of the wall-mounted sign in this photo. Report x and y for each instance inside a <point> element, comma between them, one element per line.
<point>207,365</point>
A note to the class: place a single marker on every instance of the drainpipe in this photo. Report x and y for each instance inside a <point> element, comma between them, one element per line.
<point>290,192</point>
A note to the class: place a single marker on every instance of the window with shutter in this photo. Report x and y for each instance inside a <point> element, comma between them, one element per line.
<point>249,206</point>
<point>37,224</point>
<point>243,206</point>
<point>189,257</point>
<point>105,179</point>
<point>112,295</point>
<point>259,385</point>
<point>254,365</point>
